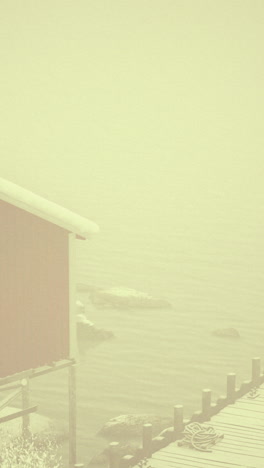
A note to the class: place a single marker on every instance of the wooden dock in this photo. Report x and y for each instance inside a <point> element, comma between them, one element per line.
<point>237,419</point>
<point>242,425</point>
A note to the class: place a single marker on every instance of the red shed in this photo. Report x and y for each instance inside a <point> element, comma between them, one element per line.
<point>37,300</point>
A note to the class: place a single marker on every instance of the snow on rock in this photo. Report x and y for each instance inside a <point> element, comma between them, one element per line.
<point>81,318</point>
<point>126,297</point>
<point>126,292</point>
<point>45,209</point>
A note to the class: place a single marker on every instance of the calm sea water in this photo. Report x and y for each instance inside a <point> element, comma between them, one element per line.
<point>202,249</point>
<point>146,117</point>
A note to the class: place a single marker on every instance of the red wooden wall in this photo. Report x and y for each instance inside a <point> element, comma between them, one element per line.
<point>34,291</point>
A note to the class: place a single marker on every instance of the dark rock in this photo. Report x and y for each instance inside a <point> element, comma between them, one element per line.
<point>130,426</point>
<point>102,459</point>
<point>226,332</point>
<point>86,330</point>
<point>92,333</point>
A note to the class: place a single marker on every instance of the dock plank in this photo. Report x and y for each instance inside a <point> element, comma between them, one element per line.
<point>190,461</point>
<point>222,455</point>
<point>242,424</point>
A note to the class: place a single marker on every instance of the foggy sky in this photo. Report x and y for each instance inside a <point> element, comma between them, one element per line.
<point>154,90</point>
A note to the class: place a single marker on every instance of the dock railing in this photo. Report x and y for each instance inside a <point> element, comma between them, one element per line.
<point>21,389</point>
<point>152,444</point>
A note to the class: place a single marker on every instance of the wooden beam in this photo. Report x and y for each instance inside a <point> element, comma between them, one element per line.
<point>72,416</point>
<point>5,402</point>
<point>32,373</point>
<point>25,404</point>
<point>10,387</point>
<point>56,366</point>
<point>18,414</point>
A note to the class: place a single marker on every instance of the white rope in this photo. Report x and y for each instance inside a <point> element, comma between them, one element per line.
<point>201,437</point>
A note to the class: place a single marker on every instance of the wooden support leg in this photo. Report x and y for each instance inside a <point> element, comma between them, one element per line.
<point>72,416</point>
<point>25,405</point>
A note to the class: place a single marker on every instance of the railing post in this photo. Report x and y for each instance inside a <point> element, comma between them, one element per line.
<point>231,387</point>
<point>178,421</point>
<point>72,415</point>
<point>206,404</point>
<point>147,440</point>
<point>25,405</point>
<point>114,455</point>
<point>256,369</point>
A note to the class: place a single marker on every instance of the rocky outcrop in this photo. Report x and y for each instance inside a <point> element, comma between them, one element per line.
<point>122,298</point>
<point>103,457</point>
<point>86,330</point>
<point>226,332</point>
<point>129,426</point>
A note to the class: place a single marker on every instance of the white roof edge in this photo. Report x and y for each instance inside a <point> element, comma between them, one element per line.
<point>39,206</point>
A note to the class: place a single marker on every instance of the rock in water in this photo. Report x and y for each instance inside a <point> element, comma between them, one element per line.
<point>103,457</point>
<point>86,329</point>
<point>126,297</point>
<point>130,425</point>
<point>226,332</point>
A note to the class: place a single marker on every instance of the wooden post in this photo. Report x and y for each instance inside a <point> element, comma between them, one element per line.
<point>147,440</point>
<point>114,455</point>
<point>206,404</point>
<point>178,421</point>
<point>256,364</point>
<point>72,415</point>
<point>231,387</point>
<point>25,405</point>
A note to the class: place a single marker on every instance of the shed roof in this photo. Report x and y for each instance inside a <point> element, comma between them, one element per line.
<point>55,214</point>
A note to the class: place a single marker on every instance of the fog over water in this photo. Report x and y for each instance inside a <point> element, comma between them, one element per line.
<point>146,117</point>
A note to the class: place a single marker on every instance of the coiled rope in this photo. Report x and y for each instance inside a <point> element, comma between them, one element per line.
<point>253,393</point>
<point>200,436</point>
